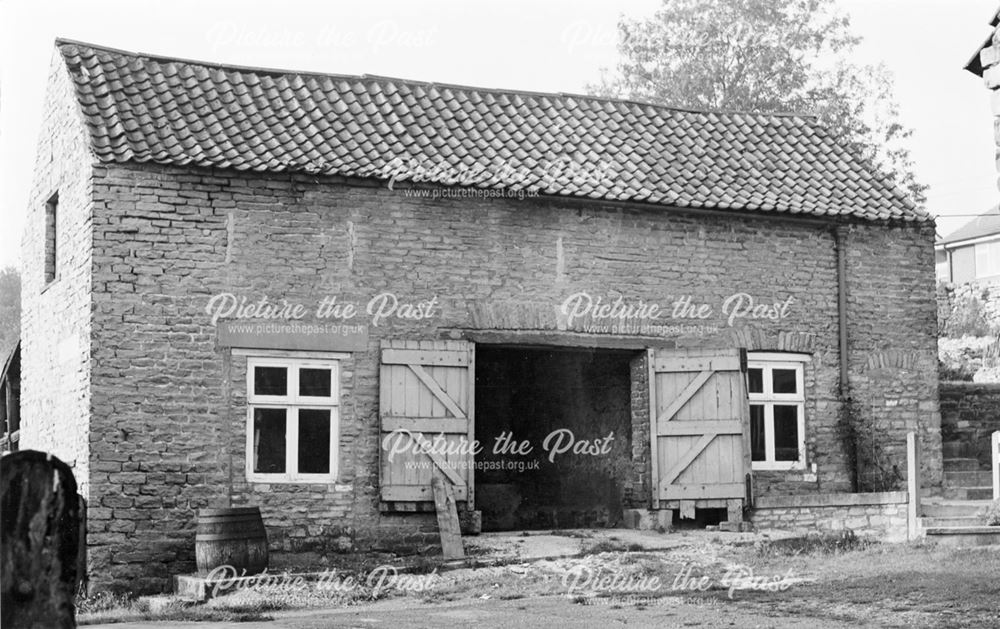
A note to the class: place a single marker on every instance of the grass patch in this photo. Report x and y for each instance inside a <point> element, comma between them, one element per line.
<point>107,608</point>
<point>835,577</point>
<point>569,533</point>
<point>604,546</point>
<point>611,545</point>
<point>885,585</point>
<point>252,603</point>
<point>813,544</point>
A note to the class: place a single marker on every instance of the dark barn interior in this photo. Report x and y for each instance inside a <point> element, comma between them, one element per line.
<point>567,396</point>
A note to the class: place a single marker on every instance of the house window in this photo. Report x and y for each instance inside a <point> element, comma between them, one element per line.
<point>987,259</point>
<point>292,420</point>
<point>51,213</point>
<point>777,410</point>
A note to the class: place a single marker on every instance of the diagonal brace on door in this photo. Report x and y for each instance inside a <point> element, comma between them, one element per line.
<point>436,389</point>
<point>686,460</point>
<point>678,403</point>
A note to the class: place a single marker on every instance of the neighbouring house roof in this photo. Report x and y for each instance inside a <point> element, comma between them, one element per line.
<point>143,108</point>
<point>986,224</point>
<point>975,65</point>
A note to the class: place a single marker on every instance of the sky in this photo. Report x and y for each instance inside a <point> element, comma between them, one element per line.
<point>539,45</point>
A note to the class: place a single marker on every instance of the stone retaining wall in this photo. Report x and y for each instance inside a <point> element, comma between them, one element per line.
<point>970,413</point>
<point>878,515</point>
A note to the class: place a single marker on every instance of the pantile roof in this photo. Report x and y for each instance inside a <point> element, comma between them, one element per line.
<point>142,108</point>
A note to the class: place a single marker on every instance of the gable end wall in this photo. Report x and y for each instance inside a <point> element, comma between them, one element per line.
<point>56,317</point>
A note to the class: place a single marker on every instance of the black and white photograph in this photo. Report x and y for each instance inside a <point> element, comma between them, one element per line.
<point>437,314</point>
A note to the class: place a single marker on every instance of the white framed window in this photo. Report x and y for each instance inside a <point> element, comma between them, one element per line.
<point>776,391</point>
<point>293,419</point>
<point>987,259</point>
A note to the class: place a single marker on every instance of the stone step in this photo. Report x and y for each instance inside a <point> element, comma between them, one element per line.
<point>952,508</point>
<point>963,520</point>
<point>968,493</point>
<point>961,465</point>
<point>955,449</point>
<point>978,478</point>
<point>964,535</point>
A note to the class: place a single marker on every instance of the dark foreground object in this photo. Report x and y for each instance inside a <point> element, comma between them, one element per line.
<point>40,535</point>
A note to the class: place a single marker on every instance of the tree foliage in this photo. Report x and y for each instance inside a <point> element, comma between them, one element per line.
<point>765,56</point>
<point>10,308</point>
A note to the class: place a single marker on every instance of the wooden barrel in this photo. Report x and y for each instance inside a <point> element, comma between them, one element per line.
<point>231,537</point>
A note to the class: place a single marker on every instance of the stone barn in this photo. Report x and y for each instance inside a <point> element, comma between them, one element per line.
<point>311,293</point>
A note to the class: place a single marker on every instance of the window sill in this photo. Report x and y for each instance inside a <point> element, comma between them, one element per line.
<point>791,466</point>
<point>282,479</point>
<point>49,284</point>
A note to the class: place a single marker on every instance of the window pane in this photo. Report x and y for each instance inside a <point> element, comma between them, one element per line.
<point>786,433</point>
<point>269,440</point>
<point>314,441</point>
<point>783,381</point>
<point>314,382</point>
<point>992,259</point>
<point>755,380</point>
<point>757,451</point>
<point>270,381</point>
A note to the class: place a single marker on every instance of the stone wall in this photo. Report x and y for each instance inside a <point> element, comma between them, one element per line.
<point>880,516</point>
<point>894,383</point>
<point>55,316</point>
<point>970,413</point>
<point>166,240</point>
<point>970,309</point>
<point>638,495</point>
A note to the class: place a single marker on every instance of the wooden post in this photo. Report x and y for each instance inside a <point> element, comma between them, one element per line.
<point>734,510</point>
<point>227,417</point>
<point>447,517</point>
<point>996,465</point>
<point>912,486</point>
<point>654,475</point>
<point>40,531</point>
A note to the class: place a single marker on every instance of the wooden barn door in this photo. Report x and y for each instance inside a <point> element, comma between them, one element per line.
<point>700,437</point>
<point>426,390</point>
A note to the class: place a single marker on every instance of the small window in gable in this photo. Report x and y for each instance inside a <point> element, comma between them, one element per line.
<point>51,238</point>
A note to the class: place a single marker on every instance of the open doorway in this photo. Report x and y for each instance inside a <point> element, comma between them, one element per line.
<point>572,408</point>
